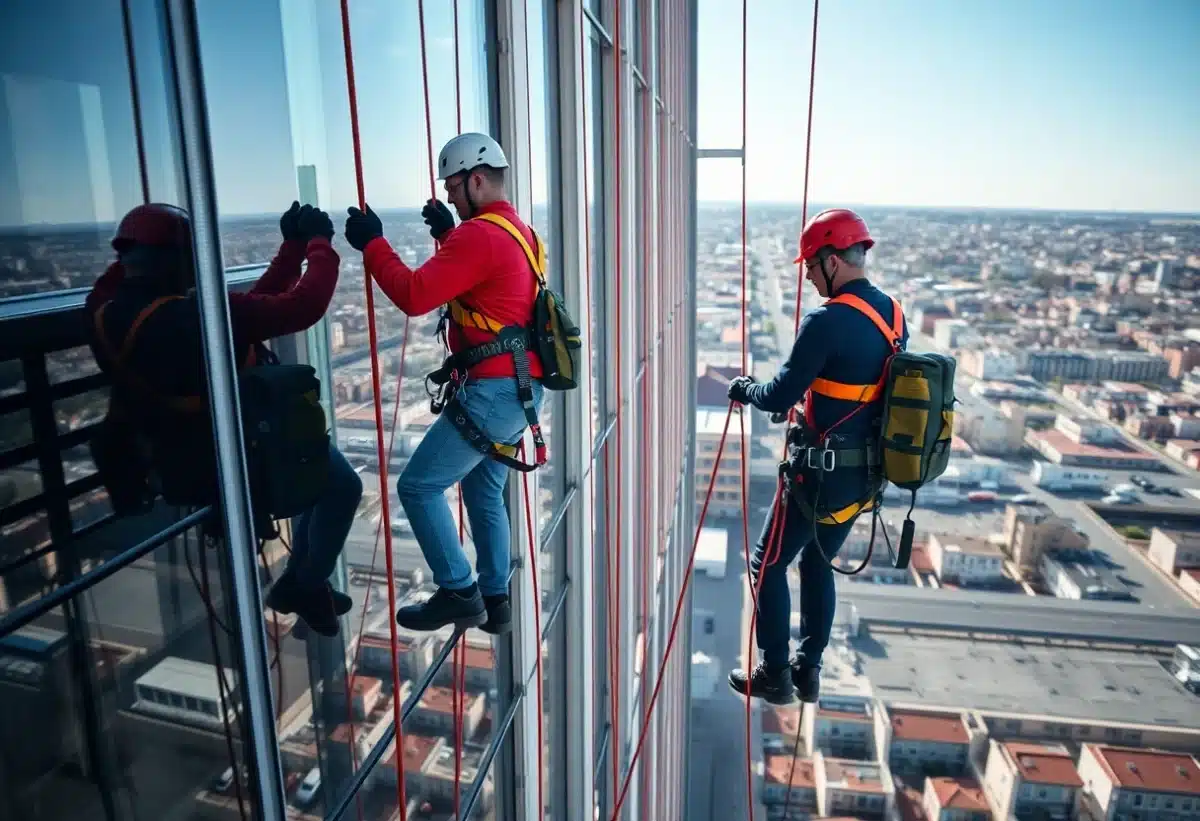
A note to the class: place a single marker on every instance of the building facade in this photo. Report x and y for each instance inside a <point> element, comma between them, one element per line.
<point>232,110</point>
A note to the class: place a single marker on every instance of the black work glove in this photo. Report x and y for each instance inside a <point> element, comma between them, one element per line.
<point>738,387</point>
<point>289,223</point>
<point>438,217</point>
<point>362,228</point>
<point>315,223</point>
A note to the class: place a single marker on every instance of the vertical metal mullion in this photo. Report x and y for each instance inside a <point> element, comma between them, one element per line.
<point>689,473</point>
<point>183,51</point>
<point>58,516</point>
<point>579,681</point>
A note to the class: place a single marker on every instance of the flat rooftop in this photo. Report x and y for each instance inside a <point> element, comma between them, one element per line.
<point>1063,682</point>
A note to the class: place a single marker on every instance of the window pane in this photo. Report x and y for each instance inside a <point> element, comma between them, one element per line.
<point>68,144</point>
<point>544,151</point>
<point>593,84</point>
<point>88,687</point>
<point>553,720</point>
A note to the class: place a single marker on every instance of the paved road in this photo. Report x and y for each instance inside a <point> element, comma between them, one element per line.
<point>717,784</point>
<point>961,609</point>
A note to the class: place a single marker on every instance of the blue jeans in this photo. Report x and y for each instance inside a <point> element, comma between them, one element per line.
<point>319,534</point>
<point>818,596</point>
<point>444,458</point>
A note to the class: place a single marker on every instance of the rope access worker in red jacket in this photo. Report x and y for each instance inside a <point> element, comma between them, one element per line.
<point>145,328</point>
<point>835,368</point>
<point>482,270</point>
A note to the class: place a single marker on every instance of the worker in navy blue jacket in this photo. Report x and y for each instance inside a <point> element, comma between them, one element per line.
<point>836,368</point>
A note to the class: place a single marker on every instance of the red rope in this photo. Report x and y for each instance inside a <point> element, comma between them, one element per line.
<point>537,627</point>
<point>673,634</point>
<point>533,552</point>
<point>351,673</point>
<point>618,431</point>
<point>743,411</point>
<point>812,82</point>
<point>457,73</point>
<point>458,672</point>
<point>647,386</point>
<point>385,502</point>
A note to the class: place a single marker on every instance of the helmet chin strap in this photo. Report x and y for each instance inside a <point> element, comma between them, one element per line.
<point>826,276</point>
<point>471,209</point>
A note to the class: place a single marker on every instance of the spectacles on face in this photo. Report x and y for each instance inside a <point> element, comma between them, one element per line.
<point>454,184</point>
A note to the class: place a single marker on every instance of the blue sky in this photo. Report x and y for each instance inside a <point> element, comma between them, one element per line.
<point>1089,104</point>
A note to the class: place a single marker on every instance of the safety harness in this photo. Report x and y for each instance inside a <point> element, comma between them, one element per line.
<point>809,450</point>
<point>511,340</point>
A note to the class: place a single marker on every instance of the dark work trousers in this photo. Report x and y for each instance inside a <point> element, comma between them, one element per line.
<point>818,597</point>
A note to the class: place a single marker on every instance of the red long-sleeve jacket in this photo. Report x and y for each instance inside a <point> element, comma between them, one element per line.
<point>480,265</point>
<point>168,352</point>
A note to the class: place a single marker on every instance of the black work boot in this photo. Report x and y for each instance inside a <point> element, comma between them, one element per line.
<point>499,615</point>
<point>771,685</point>
<point>462,608</point>
<point>318,607</point>
<point>807,681</point>
<point>286,595</point>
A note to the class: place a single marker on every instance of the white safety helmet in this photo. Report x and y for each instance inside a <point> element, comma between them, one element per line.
<point>466,151</point>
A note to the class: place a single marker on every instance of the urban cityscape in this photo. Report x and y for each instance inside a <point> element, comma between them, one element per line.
<point>1038,659</point>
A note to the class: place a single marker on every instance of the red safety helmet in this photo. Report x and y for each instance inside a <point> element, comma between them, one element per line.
<point>837,227</point>
<point>154,224</point>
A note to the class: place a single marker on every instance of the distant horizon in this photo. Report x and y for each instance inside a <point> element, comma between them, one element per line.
<point>25,227</point>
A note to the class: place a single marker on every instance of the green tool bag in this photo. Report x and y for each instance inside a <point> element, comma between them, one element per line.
<point>918,418</point>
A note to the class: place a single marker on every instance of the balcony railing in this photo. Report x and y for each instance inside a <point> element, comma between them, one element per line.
<point>77,541</point>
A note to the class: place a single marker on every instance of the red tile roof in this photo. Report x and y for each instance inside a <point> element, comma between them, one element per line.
<point>853,775</point>
<point>1069,447</point>
<point>341,733</point>
<point>1150,769</point>
<point>1039,764</point>
<point>842,715</point>
<point>779,767</point>
<point>480,658</point>
<point>946,728</point>
<point>959,794</point>
<point>438,700</point>
<point>919,559</point>
<point>416,752</point>
<point>365,684</point>
<point>782,720</point>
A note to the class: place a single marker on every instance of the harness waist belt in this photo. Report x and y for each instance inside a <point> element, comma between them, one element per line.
<point>846,391</point>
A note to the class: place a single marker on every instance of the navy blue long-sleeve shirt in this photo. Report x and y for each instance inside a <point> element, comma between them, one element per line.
<point>840,343</point>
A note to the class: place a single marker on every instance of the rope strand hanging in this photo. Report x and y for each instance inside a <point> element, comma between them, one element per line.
<point>779,519</point>
<point>533,551</point>
<point>384,496</point>
<point>617,433</point>
<point>744,452</point>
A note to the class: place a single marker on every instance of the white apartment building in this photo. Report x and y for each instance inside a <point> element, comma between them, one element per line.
<point>1031,781</point>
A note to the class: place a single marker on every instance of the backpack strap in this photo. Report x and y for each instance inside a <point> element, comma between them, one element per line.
<point>468,317</point>
<point>891,333</point>
<point>182,404</point>
<point>536,261</point>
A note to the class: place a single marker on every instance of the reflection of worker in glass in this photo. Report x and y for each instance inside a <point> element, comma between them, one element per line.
<point>143,310</point>
<point>834,367</point>
<point>482,271</point>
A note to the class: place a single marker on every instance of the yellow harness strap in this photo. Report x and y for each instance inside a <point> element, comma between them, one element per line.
<point>469,318</point>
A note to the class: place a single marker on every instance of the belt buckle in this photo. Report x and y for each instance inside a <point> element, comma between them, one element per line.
<point>827,460</point>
